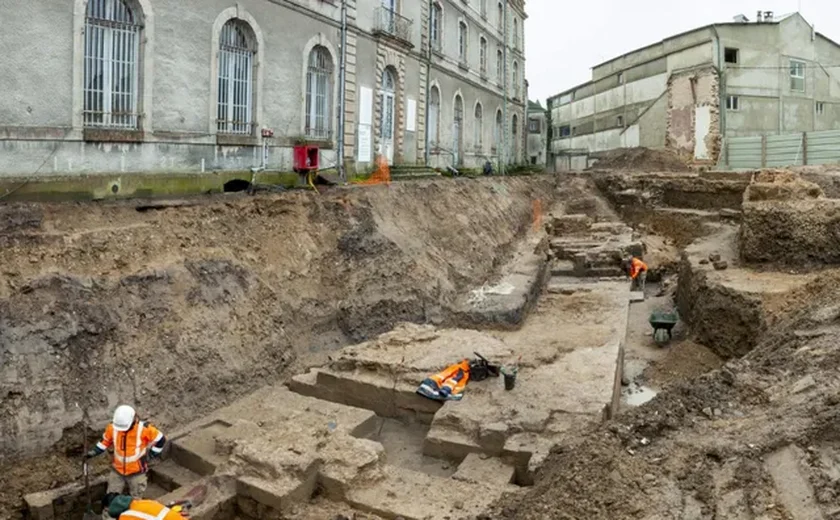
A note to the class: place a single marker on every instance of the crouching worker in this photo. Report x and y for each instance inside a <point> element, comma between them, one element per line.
<point>638,273</point>
<point>125,507</point>
<point>134,442</point>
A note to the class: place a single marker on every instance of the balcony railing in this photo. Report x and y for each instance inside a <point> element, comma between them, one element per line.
<point>392,24</point>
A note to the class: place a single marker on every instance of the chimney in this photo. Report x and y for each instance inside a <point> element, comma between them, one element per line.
<point>758,17</point>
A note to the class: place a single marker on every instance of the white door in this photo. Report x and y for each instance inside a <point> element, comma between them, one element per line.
<point>388,115</point>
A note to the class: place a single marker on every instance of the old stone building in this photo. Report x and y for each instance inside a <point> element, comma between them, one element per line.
<point>537,134</point>
<point>136,86</point>
<point>690,92</point>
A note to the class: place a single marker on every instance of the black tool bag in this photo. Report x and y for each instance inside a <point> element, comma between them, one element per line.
<point>481,369</point>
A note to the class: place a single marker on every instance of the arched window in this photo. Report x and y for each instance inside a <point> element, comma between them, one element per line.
<point>479,126</point>
<point>112,59</point>
<point>434,117</point>
<point>516,80</point>
<point>235,110</point>
<point>497,130</point>
<point>318,87</point>
<point>437,25</point>
<point>500,67</point>
<point>501,17</point>
<point>463,38</point>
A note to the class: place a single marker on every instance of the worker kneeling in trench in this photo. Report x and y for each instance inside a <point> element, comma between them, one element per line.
<point>125,507</point>
<point>134,442</point>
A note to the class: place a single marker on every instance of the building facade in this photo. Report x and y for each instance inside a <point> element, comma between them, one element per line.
<point>537,134</point>
<point>688,93</point>
<point>159,86</point>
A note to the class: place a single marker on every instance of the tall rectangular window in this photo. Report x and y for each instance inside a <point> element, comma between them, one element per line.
<point>500,66</point>
<point>462,42</point>
<point>483,56</point>
<point>437,25</point>
<point>797,75</point>
<point>318,81</point>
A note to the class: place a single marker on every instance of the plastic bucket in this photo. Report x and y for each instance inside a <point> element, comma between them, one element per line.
<point>509,375</point>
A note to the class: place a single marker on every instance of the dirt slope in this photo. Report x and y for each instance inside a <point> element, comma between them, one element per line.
<point>709,448</point>
<point>182,310</point>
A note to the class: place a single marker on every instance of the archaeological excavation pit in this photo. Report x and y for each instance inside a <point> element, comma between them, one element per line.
<point>344,432</point>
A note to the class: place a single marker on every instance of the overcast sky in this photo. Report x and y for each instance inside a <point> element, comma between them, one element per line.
<point>565,38</point>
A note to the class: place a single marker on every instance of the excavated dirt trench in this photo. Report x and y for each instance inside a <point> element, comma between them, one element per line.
<point>755,438</point>
<point>183,310</point>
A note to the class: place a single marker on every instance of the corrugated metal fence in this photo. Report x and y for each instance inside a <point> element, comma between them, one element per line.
<point>782,150</point>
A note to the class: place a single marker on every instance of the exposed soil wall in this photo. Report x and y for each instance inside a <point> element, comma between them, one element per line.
<point>182,310</point>
<point>678,206</point>
<point>799,232</point>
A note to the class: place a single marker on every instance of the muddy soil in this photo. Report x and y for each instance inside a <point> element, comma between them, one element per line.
<point>183,310</point>
<point>704,447</point>
<point>641,159</point>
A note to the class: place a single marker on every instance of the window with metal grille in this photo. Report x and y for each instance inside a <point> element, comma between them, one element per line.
<point>479,126</point>
<point>318,87</point>
<point>797,75</point>
<point>234,114</point>
<point>434,116</point>
<point>437,25</point>
<point>482,58</point>
<point>462,42</point>
<point>500,67</point>
<point>112,49</point>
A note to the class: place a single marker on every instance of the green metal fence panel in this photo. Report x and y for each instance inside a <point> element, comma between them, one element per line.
<point>744,152</point>
<point>824,147</point>
<point>785,150</point>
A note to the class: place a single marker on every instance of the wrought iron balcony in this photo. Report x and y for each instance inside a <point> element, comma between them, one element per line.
<point>392,24</point>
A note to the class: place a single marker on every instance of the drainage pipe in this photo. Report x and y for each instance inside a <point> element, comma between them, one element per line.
<point>505,125</point>
<point>342,101</point>
<point>427,153</point>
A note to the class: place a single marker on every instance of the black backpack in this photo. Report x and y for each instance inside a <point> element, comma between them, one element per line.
<point>481,369</point>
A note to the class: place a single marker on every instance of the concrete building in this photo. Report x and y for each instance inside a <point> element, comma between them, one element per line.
<point>691,91</point>
<point>163,86</point>
<point>537,134</point>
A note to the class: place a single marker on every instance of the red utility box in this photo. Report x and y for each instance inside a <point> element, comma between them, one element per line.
<point>306,158</point>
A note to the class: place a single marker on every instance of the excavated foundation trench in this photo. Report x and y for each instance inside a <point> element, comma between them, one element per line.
<point>351,436</point>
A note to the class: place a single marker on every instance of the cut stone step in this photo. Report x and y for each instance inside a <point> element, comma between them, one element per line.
<point>169,475</point>
<point>197,450</point>
<point>375,393</point>
<point>154,491</point>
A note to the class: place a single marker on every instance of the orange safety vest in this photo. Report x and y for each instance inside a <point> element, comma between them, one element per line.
<point>636,267</point>
<point>453,379</point>
<point>130,447</point>
<point>150,510</point>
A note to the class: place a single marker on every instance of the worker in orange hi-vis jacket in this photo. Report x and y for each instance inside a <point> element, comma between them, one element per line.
<point>638,273</point>
<point>134,442</point>
<point>124,507</point>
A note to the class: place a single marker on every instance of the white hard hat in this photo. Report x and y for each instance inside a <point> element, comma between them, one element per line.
<point>123,418</point>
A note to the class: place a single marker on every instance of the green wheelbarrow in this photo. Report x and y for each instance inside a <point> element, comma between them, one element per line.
<point>663,323</point>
